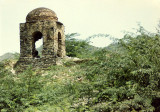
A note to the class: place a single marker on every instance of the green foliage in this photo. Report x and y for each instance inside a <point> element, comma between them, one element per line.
<point>127,80</point>
<point>32,91</point>
<point>122,77</point>
<point>77,48</point>
<point>19,91</point>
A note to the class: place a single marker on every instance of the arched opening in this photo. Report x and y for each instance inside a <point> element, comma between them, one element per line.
<point>59,44</point>
<point>37,44</point>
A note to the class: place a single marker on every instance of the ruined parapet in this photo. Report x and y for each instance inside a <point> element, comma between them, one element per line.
<point>41,23</point>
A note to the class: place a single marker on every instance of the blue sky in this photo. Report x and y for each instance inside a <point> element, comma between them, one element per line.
<point>87,17</point>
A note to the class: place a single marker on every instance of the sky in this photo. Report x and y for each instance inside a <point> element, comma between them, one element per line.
<point>86,17</point>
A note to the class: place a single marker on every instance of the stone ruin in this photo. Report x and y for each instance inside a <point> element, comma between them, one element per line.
<point>41,23</point>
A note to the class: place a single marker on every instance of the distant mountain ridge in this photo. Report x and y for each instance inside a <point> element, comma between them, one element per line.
<point>9,55</point>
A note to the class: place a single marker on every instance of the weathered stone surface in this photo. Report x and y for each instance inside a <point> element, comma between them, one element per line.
<point>41,23</point>
<point>41,14</point>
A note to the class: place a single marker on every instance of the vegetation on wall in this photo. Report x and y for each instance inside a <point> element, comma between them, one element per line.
<point>124,76</point>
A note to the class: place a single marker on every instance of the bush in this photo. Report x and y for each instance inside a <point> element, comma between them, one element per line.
<point>19,91</point>
<point>127,81</point>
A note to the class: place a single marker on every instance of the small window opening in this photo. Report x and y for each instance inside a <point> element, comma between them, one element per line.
<point>59,44</point>
<point>37,44</point>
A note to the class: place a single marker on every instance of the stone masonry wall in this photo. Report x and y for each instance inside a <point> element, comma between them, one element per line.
<point>50,51</point>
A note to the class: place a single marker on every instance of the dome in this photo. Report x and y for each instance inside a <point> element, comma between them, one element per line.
<point>41,14</point>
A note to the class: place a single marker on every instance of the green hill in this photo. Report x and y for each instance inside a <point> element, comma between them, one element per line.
<point>124,77</point>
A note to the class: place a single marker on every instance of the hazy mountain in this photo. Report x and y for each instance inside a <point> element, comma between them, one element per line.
<point>9,56</point>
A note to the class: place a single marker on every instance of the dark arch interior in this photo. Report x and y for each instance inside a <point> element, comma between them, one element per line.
<point>36,36</point>
<point>59,44</point>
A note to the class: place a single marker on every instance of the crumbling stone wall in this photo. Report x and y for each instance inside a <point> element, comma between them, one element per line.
<point>41,23</point>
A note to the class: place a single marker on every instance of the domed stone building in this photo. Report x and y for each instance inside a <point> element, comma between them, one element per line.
<point>41,23</point>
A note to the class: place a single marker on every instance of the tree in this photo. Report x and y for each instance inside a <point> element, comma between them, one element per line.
<point>75,47</point>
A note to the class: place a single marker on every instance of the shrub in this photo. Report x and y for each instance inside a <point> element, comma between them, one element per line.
<point>128,80</point>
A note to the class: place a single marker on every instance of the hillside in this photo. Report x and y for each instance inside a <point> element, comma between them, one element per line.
<point>7,56</point>
<point>124,77</point>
